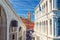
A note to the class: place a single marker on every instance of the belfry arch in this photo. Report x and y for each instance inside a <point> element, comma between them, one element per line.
<point>3,24</point>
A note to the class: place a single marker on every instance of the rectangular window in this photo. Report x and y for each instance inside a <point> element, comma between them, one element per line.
<point>46,30</point>
<point>58,26</point>
<point>20,29</point>
<point>46,23</point>
<point>50,1</point>
<point>37,24</point>
<point>13,37</point>
<point>42,6</point>
<point>50,26</point>
<point>20,38</point>
<point>46,3</point>
<point>46,10</point>
<point>44,26</point>
<point>40,24</point>
<point>50,4</point>
<point>39,7</point>
<point>58,4</point>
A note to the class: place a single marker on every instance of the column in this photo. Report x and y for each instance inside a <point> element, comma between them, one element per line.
<point>54,26</point>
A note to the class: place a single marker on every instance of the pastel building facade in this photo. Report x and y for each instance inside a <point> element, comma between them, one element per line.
<point>47,20</point>
<point>11,26</point>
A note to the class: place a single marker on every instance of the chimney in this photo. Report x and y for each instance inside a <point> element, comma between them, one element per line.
<point>28,16</point>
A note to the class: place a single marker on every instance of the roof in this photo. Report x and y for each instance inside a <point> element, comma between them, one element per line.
<point>28,23</point>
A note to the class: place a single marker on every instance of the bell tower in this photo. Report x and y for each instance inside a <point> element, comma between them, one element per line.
<point>29,16</point>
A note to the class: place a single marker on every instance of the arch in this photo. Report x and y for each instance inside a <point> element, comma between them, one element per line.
<point>13,29</point>
<point>3,24</point>
<point>13,25</point>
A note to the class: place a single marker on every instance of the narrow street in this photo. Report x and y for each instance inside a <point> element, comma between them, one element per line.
<point>29,19</point>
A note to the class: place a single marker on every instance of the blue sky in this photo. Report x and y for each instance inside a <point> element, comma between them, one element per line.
<point>23,6</point>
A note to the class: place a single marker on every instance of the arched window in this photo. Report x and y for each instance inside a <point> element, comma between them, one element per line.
<point>14,23</point>
<point>13,26</point>
<point>13,29</point>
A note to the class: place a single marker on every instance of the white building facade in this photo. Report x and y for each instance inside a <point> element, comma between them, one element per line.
<point>11,26</point>
<point>47,20</point>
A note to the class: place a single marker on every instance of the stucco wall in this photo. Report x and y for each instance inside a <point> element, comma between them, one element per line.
<point>10,14</point>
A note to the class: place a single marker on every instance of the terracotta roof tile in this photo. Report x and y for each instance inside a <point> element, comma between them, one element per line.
<point>28,23</point>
